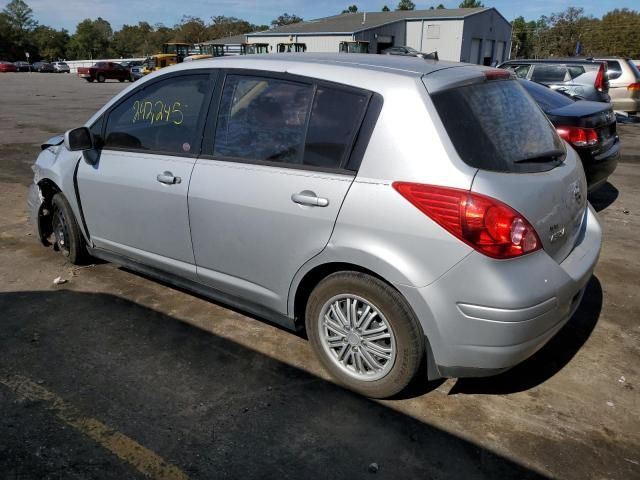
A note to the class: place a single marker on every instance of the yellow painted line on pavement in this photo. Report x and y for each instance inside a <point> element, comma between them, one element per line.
<point>125,448</point>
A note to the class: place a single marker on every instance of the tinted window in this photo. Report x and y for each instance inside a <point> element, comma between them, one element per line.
<point>521,71</point>
<point>575,70</point>
<point>549,73</point>
<point>614,66</point>
<point>163,117</point>
<point>335,119</point>
<point>273,120</point>
<point>262,119</point>
<point>496,126</point>
<point>545,97</point>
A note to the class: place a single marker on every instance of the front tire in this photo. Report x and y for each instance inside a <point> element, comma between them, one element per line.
<point>364,333</point>
<point>101,78</point>
<point>67,236</point>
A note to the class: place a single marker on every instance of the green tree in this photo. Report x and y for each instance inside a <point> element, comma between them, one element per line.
<point>16,26</point>
<point>50,43</point>
<point>471,4</point>
<point>134,41</point>
<point>20,16</point>
<point>386,9</point>
<point>191,30</point>
<point>406,5</point>
<point>522,38</point>
<point>223,26</point>
<point>440,6</point>
<point>286,19</point>
<point>350,9</point>
<point>92,39</point>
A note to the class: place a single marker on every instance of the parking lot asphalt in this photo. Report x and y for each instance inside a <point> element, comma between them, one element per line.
<point>114,375</point>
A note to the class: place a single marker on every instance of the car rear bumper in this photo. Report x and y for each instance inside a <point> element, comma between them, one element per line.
<point>626,104</point>
<point>485,316</point>
<point>598,168</point>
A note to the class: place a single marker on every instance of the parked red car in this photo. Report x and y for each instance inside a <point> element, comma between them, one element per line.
<point>6,67</point>
<point>102,71</point>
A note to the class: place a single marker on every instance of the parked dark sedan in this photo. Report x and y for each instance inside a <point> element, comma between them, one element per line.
<point>42,67</point>
<point>590,127</point>
<point>23,66</point>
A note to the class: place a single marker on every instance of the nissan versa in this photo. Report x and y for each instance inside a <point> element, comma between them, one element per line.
<point>402,210</point>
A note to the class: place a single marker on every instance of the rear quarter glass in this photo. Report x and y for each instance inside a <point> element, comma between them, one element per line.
<point>496,126</point>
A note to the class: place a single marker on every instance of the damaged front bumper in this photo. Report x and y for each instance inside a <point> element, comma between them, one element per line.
<point>38,210</point>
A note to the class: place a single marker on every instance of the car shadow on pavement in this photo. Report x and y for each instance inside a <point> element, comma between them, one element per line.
<point>205,404</point>
<point>603,197</point>
<point>550,359</point>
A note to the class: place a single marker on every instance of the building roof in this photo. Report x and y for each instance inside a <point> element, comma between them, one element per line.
<point>232,40</point>
<point>355,22</point>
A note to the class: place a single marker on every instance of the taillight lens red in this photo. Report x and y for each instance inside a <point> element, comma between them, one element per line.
<point>497,74</point>
<point>579,137</point>
<point>600,84</point>
<point>634,87</point>
<point>486,224</point>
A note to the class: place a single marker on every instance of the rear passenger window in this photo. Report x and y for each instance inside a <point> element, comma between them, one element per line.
<point>335,119</point>
<point>575,70</point>
<point>614,69</point>
<point>163,117</point>
<point>271,120</point>
<point>549,73</point>
<point>262,119</point>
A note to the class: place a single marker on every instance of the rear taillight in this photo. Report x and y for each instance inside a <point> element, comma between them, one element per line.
<point>600,83</point>
<point>634,87</point>
<point>579,137</point>
<point>486,224</point>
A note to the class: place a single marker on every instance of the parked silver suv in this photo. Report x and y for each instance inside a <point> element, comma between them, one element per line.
<point>402,210</point>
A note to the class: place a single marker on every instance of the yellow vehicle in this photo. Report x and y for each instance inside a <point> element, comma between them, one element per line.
<point>206,50</point>
<point>292,47</point>
<point>254,48</point>
<point>354,47</point>
<point>180,50</point>
<point>156,62</point>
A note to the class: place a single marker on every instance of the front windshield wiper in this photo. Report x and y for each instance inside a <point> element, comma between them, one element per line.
<point>548,156</point>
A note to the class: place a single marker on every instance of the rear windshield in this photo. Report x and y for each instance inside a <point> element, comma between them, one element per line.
<point>548,99</point>
<point>496,126</point>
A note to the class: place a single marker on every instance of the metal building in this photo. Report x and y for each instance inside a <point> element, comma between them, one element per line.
<point>474,35</point>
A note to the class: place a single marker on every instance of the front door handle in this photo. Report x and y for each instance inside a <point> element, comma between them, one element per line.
<point>168,179</point>
<point>307,197</point>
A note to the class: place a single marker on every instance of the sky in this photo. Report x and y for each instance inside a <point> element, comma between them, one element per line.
<point>68,13</point>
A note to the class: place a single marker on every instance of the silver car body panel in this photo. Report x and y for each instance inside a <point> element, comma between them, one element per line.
<point>232,227</point>
<point>128,211</point>
<point>246,227</point>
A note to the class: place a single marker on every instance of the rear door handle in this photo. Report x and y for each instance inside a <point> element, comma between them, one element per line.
<point>307,197</point>
<point>168,179</point>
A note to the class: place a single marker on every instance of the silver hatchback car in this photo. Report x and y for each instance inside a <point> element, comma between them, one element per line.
<point>401,210</point>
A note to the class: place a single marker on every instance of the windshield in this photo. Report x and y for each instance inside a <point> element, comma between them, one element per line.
<point>496,126</point>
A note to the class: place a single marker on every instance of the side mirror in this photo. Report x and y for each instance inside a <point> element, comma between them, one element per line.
<point>78,139</point>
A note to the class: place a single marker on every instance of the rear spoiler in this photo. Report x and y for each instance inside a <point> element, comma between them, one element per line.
<point>456,77</point>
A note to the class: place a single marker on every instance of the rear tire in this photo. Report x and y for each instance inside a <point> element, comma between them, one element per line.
<point>101,78</point>
<point>377,358</point>
<point>67,236</point>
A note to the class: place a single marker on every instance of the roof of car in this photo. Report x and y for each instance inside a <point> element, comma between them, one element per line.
<point>561,61</point>
<point>405,65</point>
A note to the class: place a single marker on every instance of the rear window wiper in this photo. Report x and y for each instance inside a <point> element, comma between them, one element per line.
<point>548,156</point>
